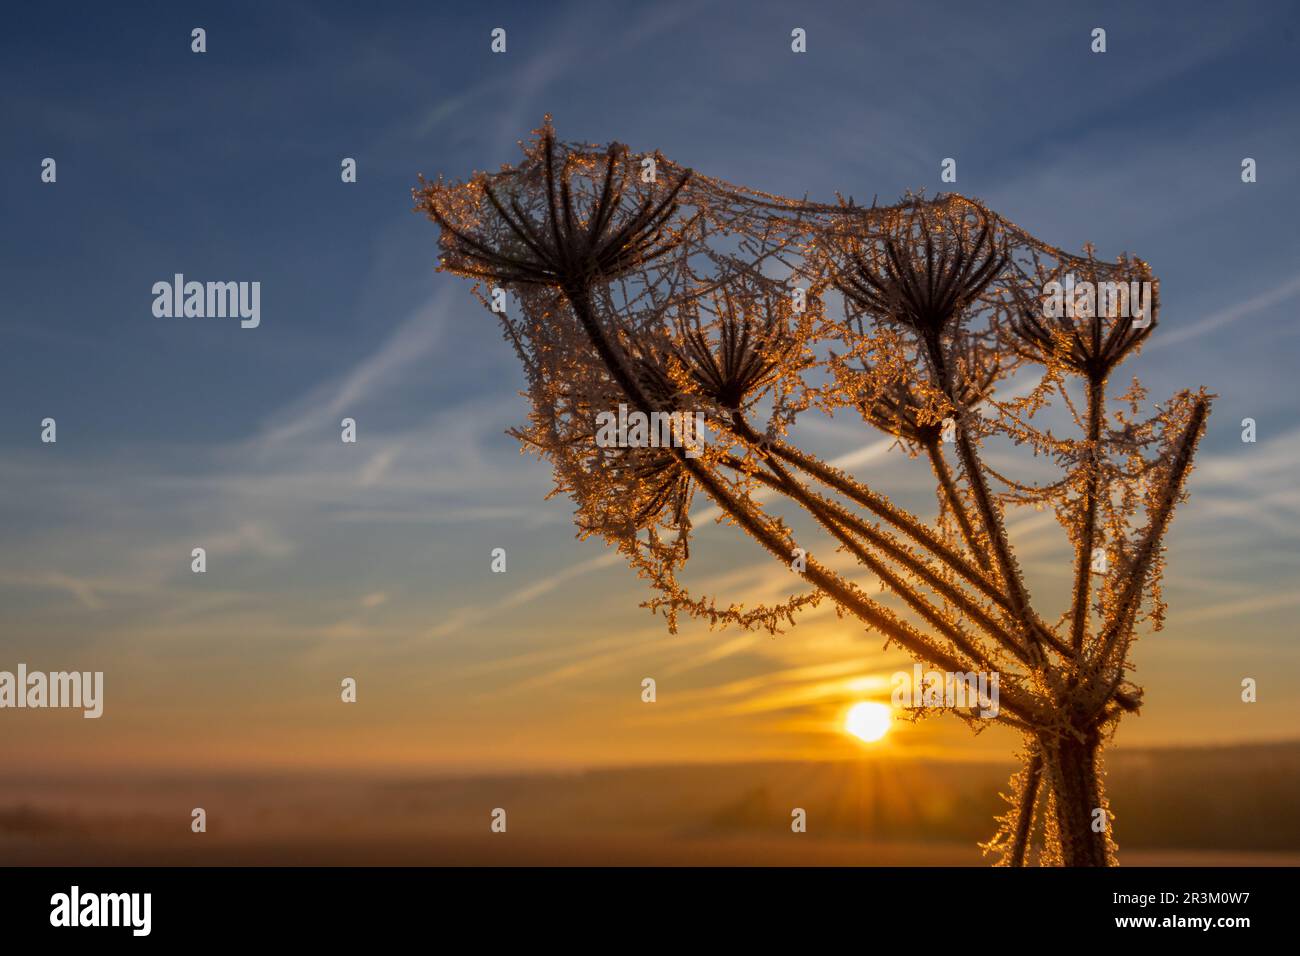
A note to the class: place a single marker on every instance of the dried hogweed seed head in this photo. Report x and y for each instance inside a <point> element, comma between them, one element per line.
<point>670,294</point>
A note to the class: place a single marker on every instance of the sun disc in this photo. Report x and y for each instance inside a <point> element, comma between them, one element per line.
<point>869,721</point>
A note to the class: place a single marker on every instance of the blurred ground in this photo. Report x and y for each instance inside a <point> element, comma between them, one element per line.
<point>1213,806</point>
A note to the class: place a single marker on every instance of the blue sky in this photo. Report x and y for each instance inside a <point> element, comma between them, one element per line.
<point>329,558</point>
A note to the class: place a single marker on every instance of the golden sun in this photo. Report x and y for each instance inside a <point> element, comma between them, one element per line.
<point>868,721</point>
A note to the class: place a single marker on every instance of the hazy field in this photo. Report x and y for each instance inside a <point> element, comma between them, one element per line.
<point>1214,806</point>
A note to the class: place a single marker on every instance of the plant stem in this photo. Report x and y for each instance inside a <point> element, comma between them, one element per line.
<point>1025,815</point>
<point>944,476</point>
<point>1076,791</point>
<point>1083,560</point>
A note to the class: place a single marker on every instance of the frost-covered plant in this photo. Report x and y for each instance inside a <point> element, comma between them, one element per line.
<point>645,285</point>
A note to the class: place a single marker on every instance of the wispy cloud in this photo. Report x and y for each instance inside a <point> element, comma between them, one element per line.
<point>1253,306</point>
<point>413,342</point>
